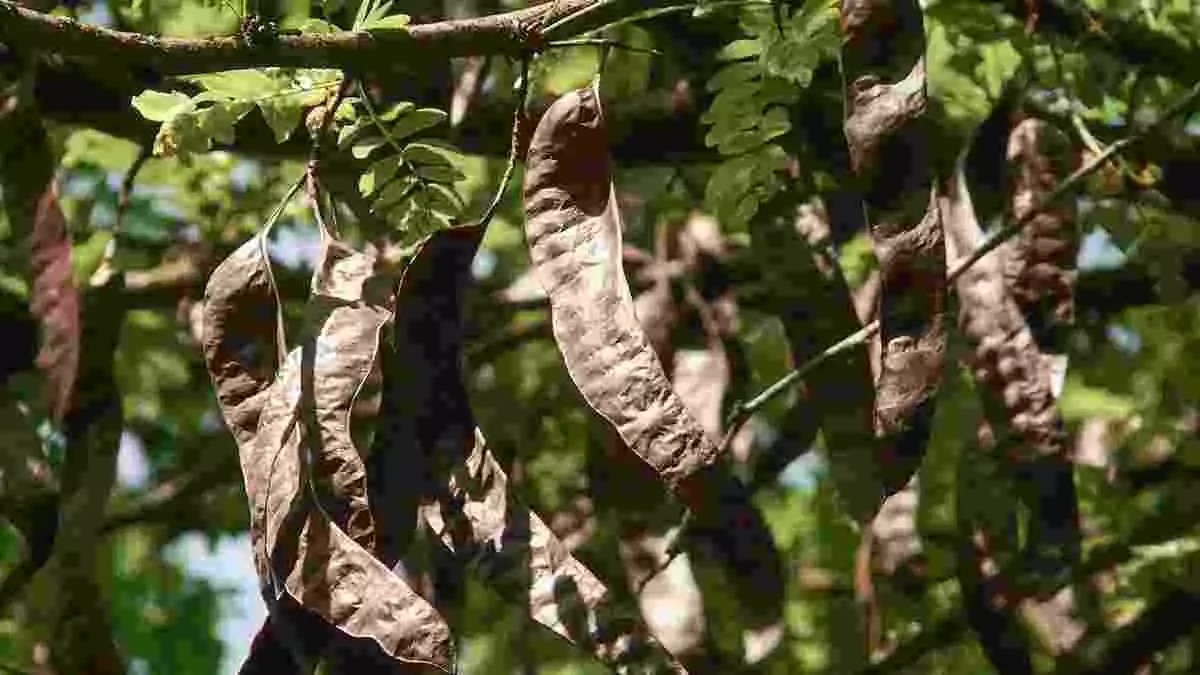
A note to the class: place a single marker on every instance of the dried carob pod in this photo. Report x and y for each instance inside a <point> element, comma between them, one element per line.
<point>431,447</point>
<point>1005,356</point>
<point>1023,417</point>
<point>883,59</point>
<point>299,551</point>
<point>574,232</point>
<point>349,307</point>
<point>31,202</point>
<point>1040,262</point>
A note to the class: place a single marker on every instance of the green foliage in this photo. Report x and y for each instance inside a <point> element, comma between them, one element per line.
<point>190,124</point>
<point>163,619</point>
<point>766,72</point>
<point>1132,372</point>
<point>409,178</point>
<point>373,15</point>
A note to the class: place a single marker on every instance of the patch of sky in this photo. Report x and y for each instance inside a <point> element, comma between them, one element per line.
<point>226,563</point>
<point>98,14</point>
<point>484,264</point>
<point>1124,338</point>
<point>1098,251</point>
<point>294,245</point>
<point>802,473</point>
<point>132,469</point>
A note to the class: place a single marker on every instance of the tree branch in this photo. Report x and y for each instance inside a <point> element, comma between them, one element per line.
<point>174,495</point>
<point>508,33</point>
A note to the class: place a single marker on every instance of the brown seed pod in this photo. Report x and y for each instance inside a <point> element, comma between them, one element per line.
<point>1021,408</point>
<point>352,304</point>
<point>299,551</point>
<point>883,60</point>
<point>429,451</point>
<point>55,301</point>
<point>574,230</point>
<point>1040,264</point>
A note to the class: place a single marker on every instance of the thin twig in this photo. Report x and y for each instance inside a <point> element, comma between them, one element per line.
<point>127,183</point>
<point>743,411</point>
<point>514,150</point>
<point>602,42</point>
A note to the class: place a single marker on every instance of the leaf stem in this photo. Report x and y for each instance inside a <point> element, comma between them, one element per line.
<point>602,42</point>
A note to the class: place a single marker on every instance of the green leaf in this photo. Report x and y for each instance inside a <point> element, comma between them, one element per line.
<point>432,162</point>
<point>740,49</point>
<point>732,74</point>
<point>396,192</point>
<point>181,135</point>
<point>282,114</point>
<point>346,112</point>
<point>425,153</point>
<point>87,255</point>
<point>363,149</point>
<point>380,172</point>
<point>347,133</point>
<point>417,121</point>
<point>318,26</point>
<point>218,121</point>
<point>159,106</point>
<point>438,173</point>
<point>401,108</point>
<point>393,22</point>
<point>240,84</point>
<point>443,199</point>
<point>1081,401</point>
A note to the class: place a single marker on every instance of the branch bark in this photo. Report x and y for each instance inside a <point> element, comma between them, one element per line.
<point>498,34</point>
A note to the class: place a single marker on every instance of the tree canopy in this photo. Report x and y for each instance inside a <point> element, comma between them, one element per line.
<point>750,336</point>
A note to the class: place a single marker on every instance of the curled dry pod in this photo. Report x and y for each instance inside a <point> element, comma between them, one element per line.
<point>883,58</point>
<point>349,307</point>
<point>574,232</point>
<point>1040,263</point>
<point>430,443</point>
<point>298,550</point>
<point>1017,384</point>
<point>27,176</point>
<point>55,301</point>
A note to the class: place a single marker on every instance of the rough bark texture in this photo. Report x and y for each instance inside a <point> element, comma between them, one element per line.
<point>883,61</point>
<point>81,639</point>
<point>506,33</point>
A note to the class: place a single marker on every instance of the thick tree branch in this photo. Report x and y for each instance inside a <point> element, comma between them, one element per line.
<point>174,496</point>
<point>508,33</point>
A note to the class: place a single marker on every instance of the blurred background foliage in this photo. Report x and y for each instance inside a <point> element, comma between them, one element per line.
<point>1130,396</point>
